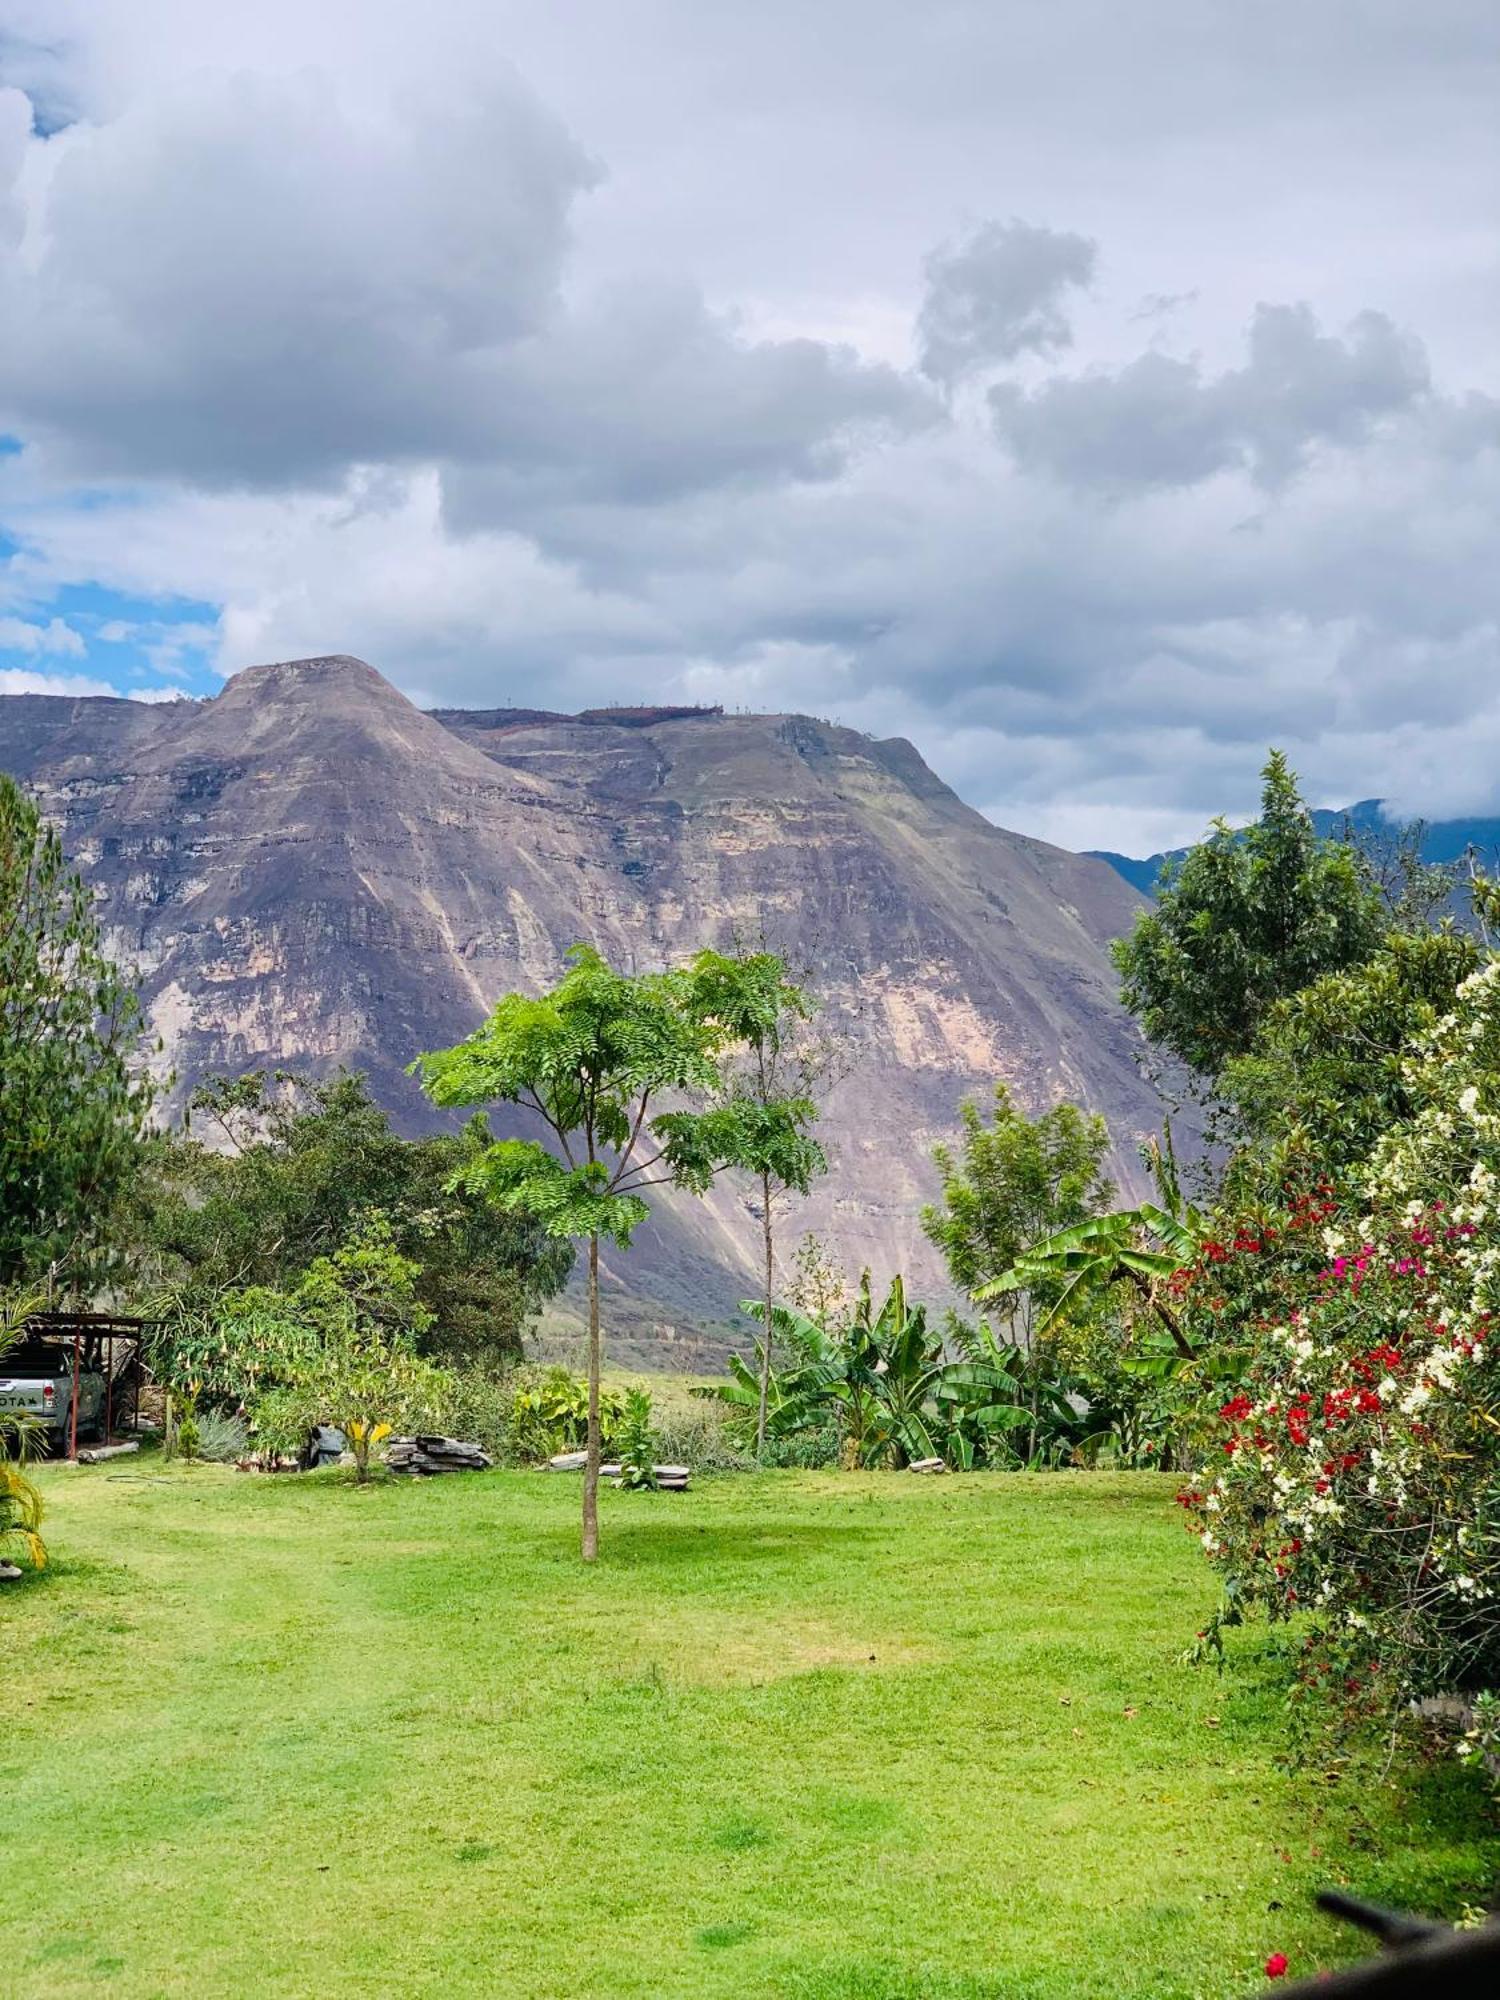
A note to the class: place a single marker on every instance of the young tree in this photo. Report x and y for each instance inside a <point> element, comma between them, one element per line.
<point>590,1059</point>
<point>761,1122</point>
<point>1013,1183</point>
<point>73,1102</point>
<point>1244,919</point>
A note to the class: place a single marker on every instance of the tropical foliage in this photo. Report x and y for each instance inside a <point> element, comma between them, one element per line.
<point>893,1391</point>
<point>20,1502</point>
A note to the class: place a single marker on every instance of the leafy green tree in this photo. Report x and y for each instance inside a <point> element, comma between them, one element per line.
<point>1243,920</point>
<point>293,1166</point>
<point>74,1100</point>
<point>591,1060</point>
<point>1327,1073</point>
<point>1010,1183</point>
<point>761,1121</point>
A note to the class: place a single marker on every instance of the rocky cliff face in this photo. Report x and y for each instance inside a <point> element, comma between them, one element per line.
<point>308,869</point>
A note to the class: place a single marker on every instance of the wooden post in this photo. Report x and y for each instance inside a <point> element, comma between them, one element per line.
<point>73,1408</point>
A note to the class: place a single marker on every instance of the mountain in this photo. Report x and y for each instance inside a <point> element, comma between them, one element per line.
<point>1442,839</point>
<point>308,869</point>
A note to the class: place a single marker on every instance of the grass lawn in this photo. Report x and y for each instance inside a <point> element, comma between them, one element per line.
<point>833,1737</point>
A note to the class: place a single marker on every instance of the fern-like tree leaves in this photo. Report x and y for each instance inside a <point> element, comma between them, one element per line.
<point>592,1061</point>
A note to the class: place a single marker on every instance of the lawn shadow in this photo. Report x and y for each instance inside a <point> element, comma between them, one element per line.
<point>674,1546</point>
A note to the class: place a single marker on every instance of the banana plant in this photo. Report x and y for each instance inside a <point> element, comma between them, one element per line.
<point>1016,1405</point>
<point>897,1393</point>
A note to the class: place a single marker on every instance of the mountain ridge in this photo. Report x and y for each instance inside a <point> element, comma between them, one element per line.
<point>308,869</point>
<point>1442,840</point>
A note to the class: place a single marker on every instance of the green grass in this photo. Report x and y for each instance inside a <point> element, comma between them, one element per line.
<point>828,1737</point>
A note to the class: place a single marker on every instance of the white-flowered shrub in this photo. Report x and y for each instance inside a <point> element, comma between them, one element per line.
<point>1356,1474</point>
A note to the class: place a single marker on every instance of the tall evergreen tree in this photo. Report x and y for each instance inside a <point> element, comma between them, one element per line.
<point>1246,918</point>
<point>74,1098</point>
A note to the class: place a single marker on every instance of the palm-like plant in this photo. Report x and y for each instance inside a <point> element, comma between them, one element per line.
<point>888,1378</point>
<point>1017,1405</point>
<point>20,1502</point>
<point>1141,1247</point>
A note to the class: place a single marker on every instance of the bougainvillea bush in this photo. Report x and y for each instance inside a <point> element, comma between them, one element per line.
<point>1355,1475</point>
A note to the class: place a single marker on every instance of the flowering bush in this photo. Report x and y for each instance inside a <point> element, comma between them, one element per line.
<point>1355,1473</point>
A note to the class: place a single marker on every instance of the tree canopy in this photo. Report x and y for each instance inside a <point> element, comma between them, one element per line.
<point>591,1060</point>
<point>75,1097</point>
<point>1326,1074</point>
<point>1013,1182</point>
<point>297,1164</point>
<point>1246,918</point>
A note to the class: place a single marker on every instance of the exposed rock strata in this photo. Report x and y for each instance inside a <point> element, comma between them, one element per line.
<point>309,869</point>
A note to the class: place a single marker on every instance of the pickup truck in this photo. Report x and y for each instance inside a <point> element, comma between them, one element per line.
<point>36,1382</point>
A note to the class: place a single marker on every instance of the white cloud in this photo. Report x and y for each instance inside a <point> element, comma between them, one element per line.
<point>425,339</point>
<point>21,680</point>
<point>21,635</point>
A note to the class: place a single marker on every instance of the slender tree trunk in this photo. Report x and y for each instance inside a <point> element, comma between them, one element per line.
<point>591,1464</point>
<point>765,1359</point>
<point>1167,1317</point>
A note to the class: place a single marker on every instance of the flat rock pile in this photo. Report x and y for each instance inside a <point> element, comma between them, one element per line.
<point>423,1456</point>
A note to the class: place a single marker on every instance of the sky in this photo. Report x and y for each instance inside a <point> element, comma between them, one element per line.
<point>1093,395</point>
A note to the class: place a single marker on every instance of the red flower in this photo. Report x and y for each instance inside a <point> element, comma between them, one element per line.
<point>1276,1965</point>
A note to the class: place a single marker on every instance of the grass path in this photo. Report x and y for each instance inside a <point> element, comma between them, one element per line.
<point>815,1736</point>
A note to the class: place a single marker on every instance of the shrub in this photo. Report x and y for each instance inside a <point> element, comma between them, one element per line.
<point>636,1443</point>
<point>699,1434</point>
<point>475,1405</point>
<point>1357,1471</point>
<point>223,1436</point>
<point>814,1449</point>
<point>550,1415</point>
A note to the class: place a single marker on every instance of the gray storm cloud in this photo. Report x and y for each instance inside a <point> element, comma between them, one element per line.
<point>801,362</point>
<point>1000,294</point>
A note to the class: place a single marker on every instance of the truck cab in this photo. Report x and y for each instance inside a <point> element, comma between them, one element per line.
<point>36,1384</point>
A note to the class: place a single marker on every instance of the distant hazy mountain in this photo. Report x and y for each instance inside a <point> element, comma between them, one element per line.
<point>307,869</point>
<point>1442,840</point>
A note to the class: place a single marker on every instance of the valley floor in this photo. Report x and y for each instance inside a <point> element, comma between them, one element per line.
<point>816,1736</point>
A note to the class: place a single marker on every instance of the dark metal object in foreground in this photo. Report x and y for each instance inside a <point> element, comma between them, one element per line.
<point>1426,1961</point>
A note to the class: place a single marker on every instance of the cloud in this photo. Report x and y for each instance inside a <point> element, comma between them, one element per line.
<point>268,279</point>
<point>21,680</point>
<point>999,294</point>
<point>20,635</point>
<point>1162,422</point>
<point>335,327</point>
